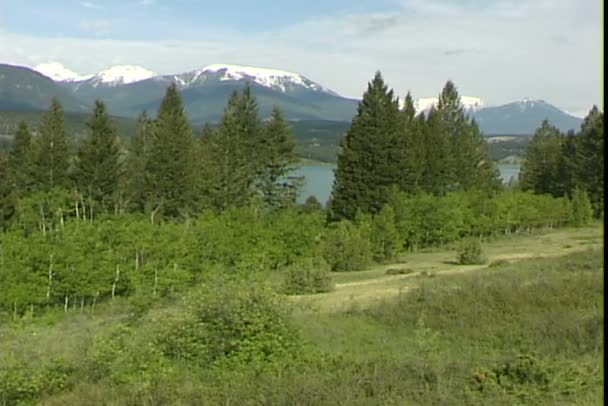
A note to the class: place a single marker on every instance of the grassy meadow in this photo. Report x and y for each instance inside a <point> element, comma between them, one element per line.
<point>524,328</point>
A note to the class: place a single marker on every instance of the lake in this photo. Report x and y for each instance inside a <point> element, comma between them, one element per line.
<point>319,179</point>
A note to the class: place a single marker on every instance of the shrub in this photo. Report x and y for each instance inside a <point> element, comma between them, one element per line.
<point>239,320</point>
<point>310,275</point>
<point>346,247</point>
<point>470,252</point>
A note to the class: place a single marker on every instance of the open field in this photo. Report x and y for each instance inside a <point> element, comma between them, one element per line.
<point>365,287</point>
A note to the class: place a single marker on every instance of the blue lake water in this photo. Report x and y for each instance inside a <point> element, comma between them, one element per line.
<point>319,179</point>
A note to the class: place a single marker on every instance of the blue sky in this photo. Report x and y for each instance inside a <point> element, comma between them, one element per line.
<point>499,50</point>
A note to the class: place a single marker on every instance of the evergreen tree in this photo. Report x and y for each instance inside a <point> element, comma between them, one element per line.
<point>540,170</point>
<point>470,163</point>
<point>171,177</point>
<point>229,172</point>
<point>275,183</point>
<point>99,166</point>
<point>135,181</point>
<point>410,147</point>
<point>368,162</point>
<point>7,194</point>
<point>19,163</point>
<point>590,158</point>
<point>50,158</point>
<point>436,175</point>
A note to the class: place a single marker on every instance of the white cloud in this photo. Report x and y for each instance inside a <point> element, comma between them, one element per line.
<point>544,49</point>
<point>91,5</point>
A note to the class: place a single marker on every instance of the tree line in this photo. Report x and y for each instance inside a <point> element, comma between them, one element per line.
<point>164,171</point>
<point>153,217</point>
<point>560,164</point>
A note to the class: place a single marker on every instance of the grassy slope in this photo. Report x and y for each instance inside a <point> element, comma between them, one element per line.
<point>363,288</point>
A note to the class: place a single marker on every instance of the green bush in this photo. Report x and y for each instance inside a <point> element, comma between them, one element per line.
<point>242,321</point>
<point>347,247</point>
<point>470,252</point>
<point>311,275</point>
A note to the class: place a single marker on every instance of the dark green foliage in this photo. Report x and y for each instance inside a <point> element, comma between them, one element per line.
<point>589,159</point>
<point>20,159</point>
<point>540,170</point>
<point>50,158</point>
<point>171,163</point>
<point>8,200</point>
<point>469,159</point>
<point>135,179</point>
<point>310,275</point>
<point>470,252</point>
<point>368,164</point>
<point>312,203</point>
<point>275,183</point>
<point>346,247</point>
<point>99,166</point>
<point>231,164</point>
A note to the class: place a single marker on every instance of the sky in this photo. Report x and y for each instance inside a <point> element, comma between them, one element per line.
<point>499,50</point>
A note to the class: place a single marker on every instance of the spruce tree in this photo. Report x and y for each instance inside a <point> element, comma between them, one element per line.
<point>7,194</point>
<point>590,158</point>
<point>436,164</point>
<point>230,173</point>
<point>368,162</point>
<point>99,166</point>
<point>19,163</point>
<point>135,184</point>
<point>50,157</point>
<point>275,183</point>
<point>469,161</point>
<point>540,169</point>
<point>410,147</point>
<point>171,177</point>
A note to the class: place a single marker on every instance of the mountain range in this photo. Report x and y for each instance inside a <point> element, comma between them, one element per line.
<point>128,90</point>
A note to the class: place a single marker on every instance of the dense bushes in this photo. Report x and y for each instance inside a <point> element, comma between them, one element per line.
<point>470,252</point>
<point>310,275</point>
<point>54,257</point>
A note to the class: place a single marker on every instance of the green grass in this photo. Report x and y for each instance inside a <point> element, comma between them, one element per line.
<point>526,329</point>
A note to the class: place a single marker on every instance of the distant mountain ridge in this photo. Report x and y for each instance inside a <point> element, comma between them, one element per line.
<point>128,90</point>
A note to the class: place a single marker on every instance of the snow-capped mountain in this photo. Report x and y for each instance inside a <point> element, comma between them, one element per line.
<point>59,73</point>
<point>275,79</point>
<point>469,103</point>
<point>120,75</point>
<point>523,117</point>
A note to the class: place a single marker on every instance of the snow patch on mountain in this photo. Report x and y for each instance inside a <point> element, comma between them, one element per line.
<point>469,103</point>
<point>121,75</point>
<point>272,78</point>
<point>59,73</point>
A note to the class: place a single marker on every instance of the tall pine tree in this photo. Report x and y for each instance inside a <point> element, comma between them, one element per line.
<point>50,155</point>
<point>541,168</point>
<point>135,180</point>
<point>19,163</point>
<point>236,153</point>
<point>275,182</point>
<point>590,158</point>
<point>368,162</point>
<point>469,161</point>
<point>171,177</point>
<point>99,166</point>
